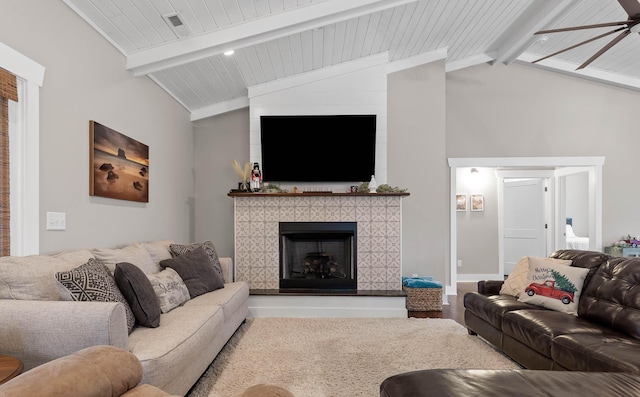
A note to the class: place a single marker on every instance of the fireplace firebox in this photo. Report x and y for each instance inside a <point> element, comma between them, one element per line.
<point>318,256</point>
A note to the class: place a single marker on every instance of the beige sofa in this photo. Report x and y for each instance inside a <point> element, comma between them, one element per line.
<point>97,371</point>
<point>37,326</point>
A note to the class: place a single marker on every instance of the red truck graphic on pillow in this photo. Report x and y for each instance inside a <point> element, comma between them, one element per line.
<point>548,288</point>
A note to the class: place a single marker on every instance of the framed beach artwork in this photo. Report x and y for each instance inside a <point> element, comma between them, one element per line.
<point>461,202</point>
<point>477,202</point>
<point>119,165</point>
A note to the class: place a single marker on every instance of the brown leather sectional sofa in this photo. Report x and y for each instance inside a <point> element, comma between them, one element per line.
<point>605,336</point>
<point>601,344</point>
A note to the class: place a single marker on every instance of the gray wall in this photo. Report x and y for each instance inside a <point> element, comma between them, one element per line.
<point>417,161</point>
<point>519,110</point>
<point>85,79</point>
<point>577,186</point>
<point>218,141</point>
<point>477,231</point>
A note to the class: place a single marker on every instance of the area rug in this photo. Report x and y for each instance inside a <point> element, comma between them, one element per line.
<point>350,357</point>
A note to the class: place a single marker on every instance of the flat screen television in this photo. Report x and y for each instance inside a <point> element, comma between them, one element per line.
<point>318,148</point>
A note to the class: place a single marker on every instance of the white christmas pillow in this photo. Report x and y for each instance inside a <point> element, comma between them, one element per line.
<point>515,284</point>
<point>555,287</point>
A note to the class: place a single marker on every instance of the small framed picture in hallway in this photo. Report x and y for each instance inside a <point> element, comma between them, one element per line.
<point>477,202</point>
<point>461,202</point>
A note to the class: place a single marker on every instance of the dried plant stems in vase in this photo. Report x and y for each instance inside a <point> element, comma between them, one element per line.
<point>243,174</point>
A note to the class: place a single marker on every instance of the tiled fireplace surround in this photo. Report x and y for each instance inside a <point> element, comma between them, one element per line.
<point>378,218</point>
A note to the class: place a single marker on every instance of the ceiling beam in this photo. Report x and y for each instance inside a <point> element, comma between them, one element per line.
<point>599,75</point>
<point>247,34</point>
<point>520,35</point>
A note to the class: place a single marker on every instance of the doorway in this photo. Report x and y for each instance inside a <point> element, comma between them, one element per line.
<point>522,219</point>
<point>530,165</point>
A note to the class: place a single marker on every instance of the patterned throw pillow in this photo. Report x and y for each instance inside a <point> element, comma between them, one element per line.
<point>515,284</point>
<point>169,288</point>
<point>93,282</point>
<point>179,249</point>
<point>556,287</point>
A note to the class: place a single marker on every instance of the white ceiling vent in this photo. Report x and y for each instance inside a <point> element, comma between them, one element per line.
<point>177,25</point>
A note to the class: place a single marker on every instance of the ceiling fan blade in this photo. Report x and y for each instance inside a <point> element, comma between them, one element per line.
<point>605,49</point>
<point>632,7</point>
<point>579,44</point>
<point>597,25</point>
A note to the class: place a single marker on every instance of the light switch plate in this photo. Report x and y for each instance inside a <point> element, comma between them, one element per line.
<point>56,221</point>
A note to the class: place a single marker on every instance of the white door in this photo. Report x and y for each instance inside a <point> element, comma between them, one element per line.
<point>523,220</point>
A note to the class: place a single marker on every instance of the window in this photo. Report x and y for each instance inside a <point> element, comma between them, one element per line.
<point>8,94</point>
<point>24,156</point>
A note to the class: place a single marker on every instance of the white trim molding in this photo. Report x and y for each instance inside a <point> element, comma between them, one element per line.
<point>25,178</point>
<point>521,163</point>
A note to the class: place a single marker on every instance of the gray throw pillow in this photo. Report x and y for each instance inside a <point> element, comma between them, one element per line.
<point>137,289</point>
<point>209,248</point>
<point>92,282</point>
<point>194,267</point>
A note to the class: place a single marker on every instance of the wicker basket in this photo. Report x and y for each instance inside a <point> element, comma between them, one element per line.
<point>423,299</point>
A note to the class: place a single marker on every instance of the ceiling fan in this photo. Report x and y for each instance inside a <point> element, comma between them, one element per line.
<point>631,25</point>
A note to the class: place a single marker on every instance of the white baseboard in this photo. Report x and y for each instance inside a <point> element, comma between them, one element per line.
<point>326,306</point>
<point>478,277</point>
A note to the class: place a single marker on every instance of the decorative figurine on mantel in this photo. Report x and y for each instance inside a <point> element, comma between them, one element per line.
<point>256,178</point>
<point>373,185</point>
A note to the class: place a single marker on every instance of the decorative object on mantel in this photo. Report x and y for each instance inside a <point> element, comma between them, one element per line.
<point>243,174</point>
<point>256,178</point>
<point>273,188</point>
<point>384,188</point>
<point>373,185</point>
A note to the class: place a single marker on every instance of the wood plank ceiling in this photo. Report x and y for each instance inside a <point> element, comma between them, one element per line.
<point>278,39</point>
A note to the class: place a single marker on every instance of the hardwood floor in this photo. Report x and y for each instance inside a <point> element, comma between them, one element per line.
<point>455,309</point>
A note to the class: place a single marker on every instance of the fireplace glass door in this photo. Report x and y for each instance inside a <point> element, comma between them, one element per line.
<point>318,255</point>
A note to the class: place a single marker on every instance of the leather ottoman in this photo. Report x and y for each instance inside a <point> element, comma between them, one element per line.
<point>521,383</point>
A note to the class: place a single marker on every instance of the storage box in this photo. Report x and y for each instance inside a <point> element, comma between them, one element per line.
<point>423,299</point>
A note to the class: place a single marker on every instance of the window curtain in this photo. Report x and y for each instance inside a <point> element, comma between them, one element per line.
<point>8,92</point>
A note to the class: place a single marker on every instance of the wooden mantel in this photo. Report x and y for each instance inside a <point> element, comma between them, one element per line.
<point>311,194</point>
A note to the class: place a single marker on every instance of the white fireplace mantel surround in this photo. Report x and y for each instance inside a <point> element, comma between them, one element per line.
<point>379,249</point>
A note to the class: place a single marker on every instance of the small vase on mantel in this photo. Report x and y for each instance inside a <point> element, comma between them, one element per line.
<point>372,184</point>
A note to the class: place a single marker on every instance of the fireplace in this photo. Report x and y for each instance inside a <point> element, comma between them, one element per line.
<point>318,256</point>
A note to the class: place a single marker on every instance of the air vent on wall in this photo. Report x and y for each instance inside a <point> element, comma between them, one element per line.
<point>177,25</point>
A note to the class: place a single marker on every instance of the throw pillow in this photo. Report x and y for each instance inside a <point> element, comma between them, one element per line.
<point>515,284</point>
<point>137,289</point>
<point>556,287</point>
<point>92,282</point>
<point>31,277</point>
<point>180,249</point>
<point>194,267</point>
<point>169,288</point>
<point>131,254</point>
<point>158,250</point>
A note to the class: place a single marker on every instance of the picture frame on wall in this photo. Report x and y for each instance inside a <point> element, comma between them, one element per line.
<point>118,165</point>
<point>477,202</point>
<point>461,202</point>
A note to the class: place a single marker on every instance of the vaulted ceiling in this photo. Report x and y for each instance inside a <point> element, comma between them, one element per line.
<point>275,40</point>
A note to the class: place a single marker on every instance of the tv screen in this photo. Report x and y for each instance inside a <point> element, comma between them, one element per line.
<point>318,148</point>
